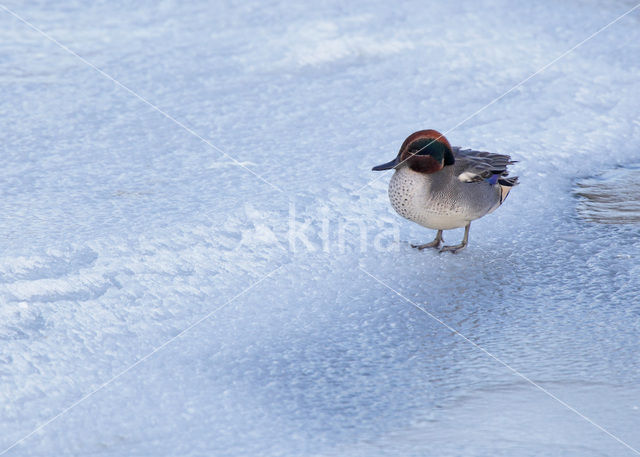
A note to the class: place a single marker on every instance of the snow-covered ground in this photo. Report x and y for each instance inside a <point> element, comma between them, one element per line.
<point>119,229</point>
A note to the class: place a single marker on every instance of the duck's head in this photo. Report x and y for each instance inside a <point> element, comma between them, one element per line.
<point>425,151</point>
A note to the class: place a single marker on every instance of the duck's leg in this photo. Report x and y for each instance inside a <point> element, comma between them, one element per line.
<point>434,244</point>
<point>461,246</point>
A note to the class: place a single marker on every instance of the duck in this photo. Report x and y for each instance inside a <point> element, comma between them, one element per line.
<point>443,188</point>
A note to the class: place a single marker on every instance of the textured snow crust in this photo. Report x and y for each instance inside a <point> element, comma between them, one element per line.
<point>119,229</point>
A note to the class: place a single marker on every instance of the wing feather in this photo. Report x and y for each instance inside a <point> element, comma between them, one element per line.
<point>477,166</point>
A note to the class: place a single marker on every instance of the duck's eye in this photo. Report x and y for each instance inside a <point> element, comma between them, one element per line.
<point>419,146</point>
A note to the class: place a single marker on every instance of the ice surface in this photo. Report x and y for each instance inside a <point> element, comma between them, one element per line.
<point>611,197</point>
<point>120,229</point>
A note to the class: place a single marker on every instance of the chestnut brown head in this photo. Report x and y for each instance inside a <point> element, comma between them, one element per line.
<point>425,151</point>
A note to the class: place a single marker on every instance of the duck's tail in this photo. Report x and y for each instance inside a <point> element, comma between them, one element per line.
<point>506,184</point>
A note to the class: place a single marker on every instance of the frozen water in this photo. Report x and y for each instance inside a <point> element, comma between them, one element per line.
<point>120,229</point>
<point>611,197</point>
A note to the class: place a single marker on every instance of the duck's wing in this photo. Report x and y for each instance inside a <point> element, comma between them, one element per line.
<point>477,166</point>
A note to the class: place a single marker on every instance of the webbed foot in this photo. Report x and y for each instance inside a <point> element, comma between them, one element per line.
<point>453,249</point>
<point>458,247</point>
<point>434,244</point>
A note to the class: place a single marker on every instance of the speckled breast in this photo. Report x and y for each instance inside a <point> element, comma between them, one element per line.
<point>426,201</point>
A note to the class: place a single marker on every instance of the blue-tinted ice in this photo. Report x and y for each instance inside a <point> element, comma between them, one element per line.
<point>119,229</point>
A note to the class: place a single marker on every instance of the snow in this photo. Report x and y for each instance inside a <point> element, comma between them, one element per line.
<point>119,229</point>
